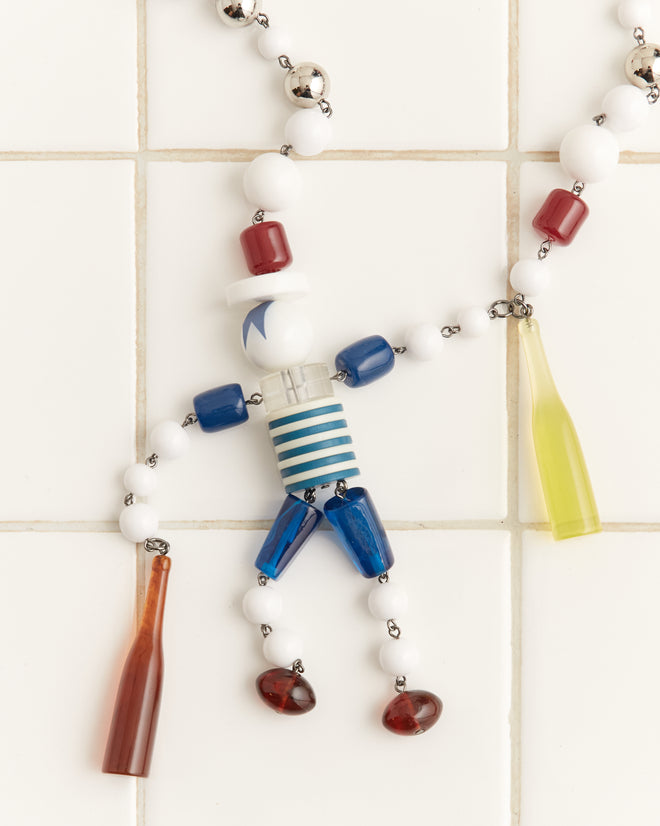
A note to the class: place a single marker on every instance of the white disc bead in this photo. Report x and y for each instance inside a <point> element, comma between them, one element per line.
<point>634,13</point>
<point>285,284</point>
<point>169,440</point>
<point>530,276</point>
<point>589,153</point>
<point>473,321</point>
<point>140,479</point>
<point>388,601</point>
<point>272,182</point>
<point>276,335</point>
<point>424,341</point>
<point>274,41</point>
<point>138,522</point>
<point>282,647</point>
<point>262,605</point>
<point>398,657</point>
<point>626,108</point>
<point>308,131</point>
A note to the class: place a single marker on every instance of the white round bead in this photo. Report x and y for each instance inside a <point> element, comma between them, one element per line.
<point>169,440</point>
<point>308,131</point>
<point>473,321</point>
<point>262,605</point>
<point>276,336</point>
<point>398,657</point>
<point>424,341</point>
<point>282,647</point>
<point>530,276</point>
<point>273,42</point>
<point>626,108</point>
<point>272,182</point>
<point>634,13</point>
<point>388,601</point>
<point>284,284</point>
<point>589,153</point>
<point>138,522</point>
<point>140,480</point>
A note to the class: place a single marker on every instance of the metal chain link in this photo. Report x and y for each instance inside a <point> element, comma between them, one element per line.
<point>154,543</point>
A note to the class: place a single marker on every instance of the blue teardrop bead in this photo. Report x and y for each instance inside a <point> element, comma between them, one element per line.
<point>358,525</point>
<point>293,526</point>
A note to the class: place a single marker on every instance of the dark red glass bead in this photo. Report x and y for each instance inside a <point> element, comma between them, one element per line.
<point>266,248</point>
<point>286,691</point>
<point>561,216</point>
<point>412,712</point>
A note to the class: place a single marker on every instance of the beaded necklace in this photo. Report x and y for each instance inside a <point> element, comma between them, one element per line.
<point>306,422</point>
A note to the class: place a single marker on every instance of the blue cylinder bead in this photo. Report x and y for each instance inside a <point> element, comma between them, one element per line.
<point>293,526</point>
<point>220,408</point>
<point>358,525</point>
<point>365,361</point>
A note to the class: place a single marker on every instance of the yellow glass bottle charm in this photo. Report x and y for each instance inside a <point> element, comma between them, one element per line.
<point>567,490</point>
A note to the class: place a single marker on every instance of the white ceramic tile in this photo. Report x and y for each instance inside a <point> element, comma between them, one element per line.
<point>401,77</point>
<point>66,610</point>
<point>69,74</point>
<point>590,723</point>
<point>67,334</point>
<point>571,55</point>
<point>222,754</point>
<point>601,344</point>
<point>383,251</point>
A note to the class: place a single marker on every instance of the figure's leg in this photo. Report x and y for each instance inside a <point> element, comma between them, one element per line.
<point>282,688</point>
<point>352,514</point>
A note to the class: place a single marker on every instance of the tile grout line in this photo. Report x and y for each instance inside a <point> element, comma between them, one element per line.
<point>513,421</point>
<point>505,525</point>
<point>229,155</point>
<point>140,314</point>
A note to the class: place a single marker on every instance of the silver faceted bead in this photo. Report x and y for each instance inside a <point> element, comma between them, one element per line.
<point>306,84</point>
<point>240,13</point>
<point>643,65</point>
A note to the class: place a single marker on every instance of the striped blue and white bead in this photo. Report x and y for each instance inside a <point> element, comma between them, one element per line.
<point>312,444</point>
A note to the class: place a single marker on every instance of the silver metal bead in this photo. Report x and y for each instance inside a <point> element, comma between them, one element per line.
<point>306,84</point>
<point>240,13</point>
<point>643,65</point>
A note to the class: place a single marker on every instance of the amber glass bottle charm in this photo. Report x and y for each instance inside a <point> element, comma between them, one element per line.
<point>567,490</point>
<point>133,727</point>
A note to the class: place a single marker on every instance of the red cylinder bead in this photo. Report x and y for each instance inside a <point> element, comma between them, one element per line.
<point>266,248</point>
<point>561,216</point>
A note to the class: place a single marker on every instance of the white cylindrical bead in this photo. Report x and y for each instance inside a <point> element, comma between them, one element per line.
<point>633,13</point>
<point>398,657</point>
<point>282,647</point>
<point>626,107</point>
<point>589,153</point>
<point>169,440</point>
<point>308,131</point>
<point>473,321</point>
<point>274,41</point>
<point>530,276</point>
<point>276,335</point>
<point>140,479</point>
<point>424,341</point>
<point>388,601</point>
<point>262,605</point>
<point>272,182</point>
<point>138,522</point>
